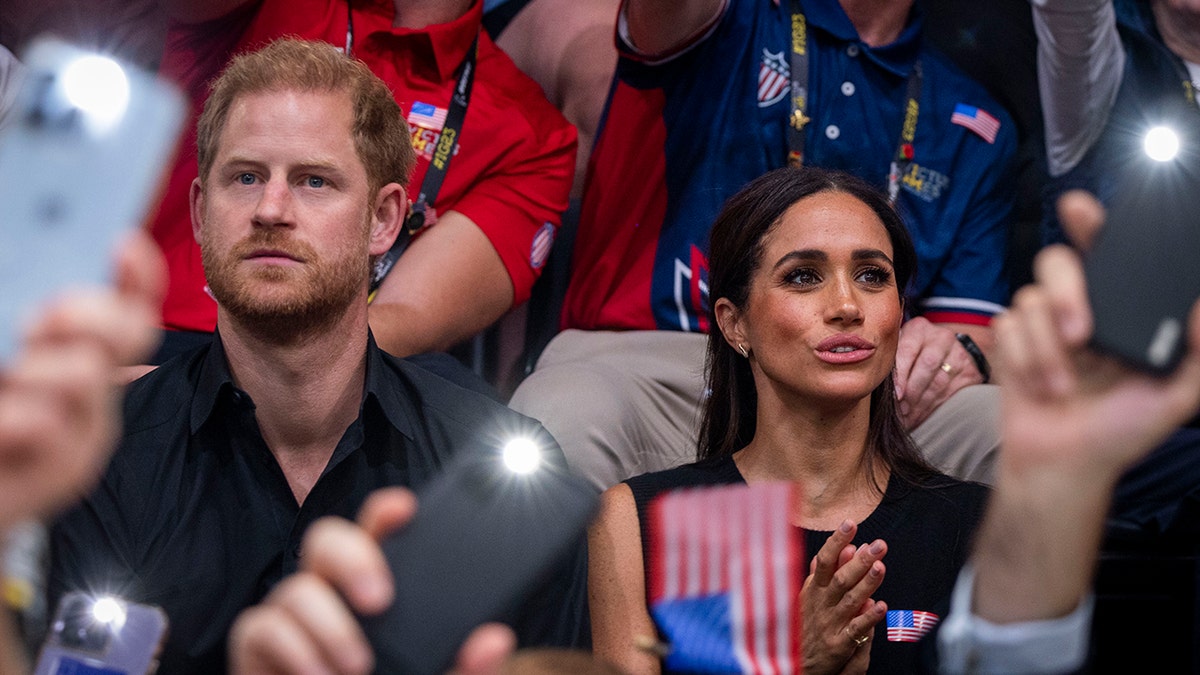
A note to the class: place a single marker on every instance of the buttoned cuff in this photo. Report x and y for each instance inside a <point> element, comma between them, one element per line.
<point>970,644</point>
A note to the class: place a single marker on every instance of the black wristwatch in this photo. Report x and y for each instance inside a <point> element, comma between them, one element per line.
<point>976,353</point>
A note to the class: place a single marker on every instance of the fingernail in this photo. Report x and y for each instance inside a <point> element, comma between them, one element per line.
<point>846,526</point>
<point>876,548</point>
<point>875,571</point>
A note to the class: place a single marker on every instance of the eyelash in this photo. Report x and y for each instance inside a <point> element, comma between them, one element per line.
<point>882,276</point>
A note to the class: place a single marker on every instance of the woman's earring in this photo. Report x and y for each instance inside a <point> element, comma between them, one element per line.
<point>742,349</point>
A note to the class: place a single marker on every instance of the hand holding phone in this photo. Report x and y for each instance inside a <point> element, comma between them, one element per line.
<point>102,636</point>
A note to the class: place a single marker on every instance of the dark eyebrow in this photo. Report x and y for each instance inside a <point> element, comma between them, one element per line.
<point>817,255</point>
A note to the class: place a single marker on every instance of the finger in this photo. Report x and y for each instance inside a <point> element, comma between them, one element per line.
<point>141,271</point>
<point>828,559</point>
<point>327,623</point>
<point>1059,272</point>
<point>265,639</point>
<point>387,510</point>
<point>1012,354</point>
<point>485,650</point>
<point>125,331</point>
<point>861,579</point>
<point>1185,381</point>
<point>864,623</point>
<point>1081,217</point>
<point>907,349</point>
<point>347,557</point>
<point>1048,364</point>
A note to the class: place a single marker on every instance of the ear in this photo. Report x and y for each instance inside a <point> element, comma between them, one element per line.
<point>196,204</point>
<point>391,209</point>
<point>729,320</point>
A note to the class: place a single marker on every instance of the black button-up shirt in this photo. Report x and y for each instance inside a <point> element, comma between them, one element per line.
<point>195,515</point>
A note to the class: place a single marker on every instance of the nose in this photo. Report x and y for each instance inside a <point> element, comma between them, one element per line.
<point>274,205</point>
<point>843,304</point>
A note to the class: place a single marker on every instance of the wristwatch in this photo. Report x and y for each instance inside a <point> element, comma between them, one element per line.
<point>976,353</point>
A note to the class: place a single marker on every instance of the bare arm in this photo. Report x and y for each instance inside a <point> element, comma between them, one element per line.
<point>1073,421</point>
<point>659,26</point>
<point>617,585</point>
<point>448,285</point>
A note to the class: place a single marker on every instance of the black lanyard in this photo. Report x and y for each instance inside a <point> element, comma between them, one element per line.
<point>799,118</point>
<point>438,166</point>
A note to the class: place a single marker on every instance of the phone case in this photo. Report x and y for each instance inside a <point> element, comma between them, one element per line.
<point>1143,274</point>
<point>80,644</point>
<point>77,170</point>
<point>481,540</point>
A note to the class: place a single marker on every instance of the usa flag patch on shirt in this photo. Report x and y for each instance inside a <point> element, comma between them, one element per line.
<point>977,120</point>
<point>427,115</point>
<point>909,625</point>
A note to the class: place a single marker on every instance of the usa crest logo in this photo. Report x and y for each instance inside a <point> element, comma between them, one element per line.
<point>773,74</point>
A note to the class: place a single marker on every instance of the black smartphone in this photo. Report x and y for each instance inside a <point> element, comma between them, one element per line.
<point>487,531</point>
<point>102,636</point>
<point>1143,272</point>
<point>82,157</point>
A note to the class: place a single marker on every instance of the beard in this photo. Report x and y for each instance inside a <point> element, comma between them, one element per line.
<point>283,304</point>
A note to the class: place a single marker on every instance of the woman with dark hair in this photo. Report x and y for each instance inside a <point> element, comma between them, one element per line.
<point>807,269</point>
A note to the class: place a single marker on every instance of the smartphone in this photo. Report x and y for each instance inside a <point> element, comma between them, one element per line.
<point>483,539</point>
<point>1143,272</point>
<point>102,635</point>
<point>82,158</point>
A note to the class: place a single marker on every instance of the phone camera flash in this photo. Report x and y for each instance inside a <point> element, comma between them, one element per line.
<point>108,611</point>
<point>1161,144</point>
<point>97,86</point>
<point>522,456</point>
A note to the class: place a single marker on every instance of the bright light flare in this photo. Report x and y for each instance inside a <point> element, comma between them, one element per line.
<point>522,456</point>
<point>97,86</point>
<point>108,611</point>
<point>1161,144</point>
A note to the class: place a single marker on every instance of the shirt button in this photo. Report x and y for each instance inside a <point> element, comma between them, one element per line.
<point>852,51</point>
<point>832,132</point>
<point>848,88</point>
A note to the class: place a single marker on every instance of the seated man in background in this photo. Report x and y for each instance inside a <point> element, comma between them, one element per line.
<point>292,412</point>
<point>58,405</point>
<point>495,181</point>
<point>700,107</point>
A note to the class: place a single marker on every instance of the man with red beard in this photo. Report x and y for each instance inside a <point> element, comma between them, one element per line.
<point>292,413</point>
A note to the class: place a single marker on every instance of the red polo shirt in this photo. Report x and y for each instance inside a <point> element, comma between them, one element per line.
<point>511,174</point>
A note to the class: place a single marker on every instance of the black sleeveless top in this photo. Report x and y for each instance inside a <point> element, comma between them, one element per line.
<point>927,528</point>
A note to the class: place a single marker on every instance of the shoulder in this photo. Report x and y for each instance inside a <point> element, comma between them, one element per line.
<point>940,496</point>
<point>163,395</point>
<point>949,86</point>
<point>516,94</point>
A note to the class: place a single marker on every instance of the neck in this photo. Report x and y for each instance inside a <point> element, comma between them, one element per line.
<point>822,449</point>
<point>878,22</point>
<point>417,14</point>
<point>1180,29</point>
<point>306,391</point>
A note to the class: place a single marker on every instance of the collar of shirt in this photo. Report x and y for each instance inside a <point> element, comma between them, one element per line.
<point>897,57</point>
<point>216,381</point>
<point>445,43</point>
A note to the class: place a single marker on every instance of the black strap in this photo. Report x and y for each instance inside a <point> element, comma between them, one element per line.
<point>436,173</point>
<point>799,118</point>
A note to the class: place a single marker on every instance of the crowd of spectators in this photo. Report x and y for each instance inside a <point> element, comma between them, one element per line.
<point>366,184</point>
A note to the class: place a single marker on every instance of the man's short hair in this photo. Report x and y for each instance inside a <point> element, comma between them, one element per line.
<point>381,136</point>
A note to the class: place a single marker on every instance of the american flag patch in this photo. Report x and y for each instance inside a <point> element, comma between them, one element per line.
<point>773,75</point>
<point>427,115</point>
<point>977,120</point>
<point>909,625</point>
<point>725,578</point>
<point>539,250</point>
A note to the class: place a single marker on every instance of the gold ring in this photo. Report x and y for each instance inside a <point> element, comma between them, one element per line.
<point>861,640</point>
<point>947,368</point>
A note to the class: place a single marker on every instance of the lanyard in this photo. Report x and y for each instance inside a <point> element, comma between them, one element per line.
<point>799,118</point>
<point>436,173</point>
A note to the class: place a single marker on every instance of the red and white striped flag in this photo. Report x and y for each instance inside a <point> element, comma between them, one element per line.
<point>725,578</point>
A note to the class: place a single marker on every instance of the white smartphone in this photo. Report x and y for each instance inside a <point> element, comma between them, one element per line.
<point>82,158</point>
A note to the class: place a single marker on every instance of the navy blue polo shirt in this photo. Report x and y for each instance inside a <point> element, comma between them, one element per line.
<point>685,131</point>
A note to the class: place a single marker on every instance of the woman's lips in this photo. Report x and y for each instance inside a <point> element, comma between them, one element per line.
<point>844,348</point>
